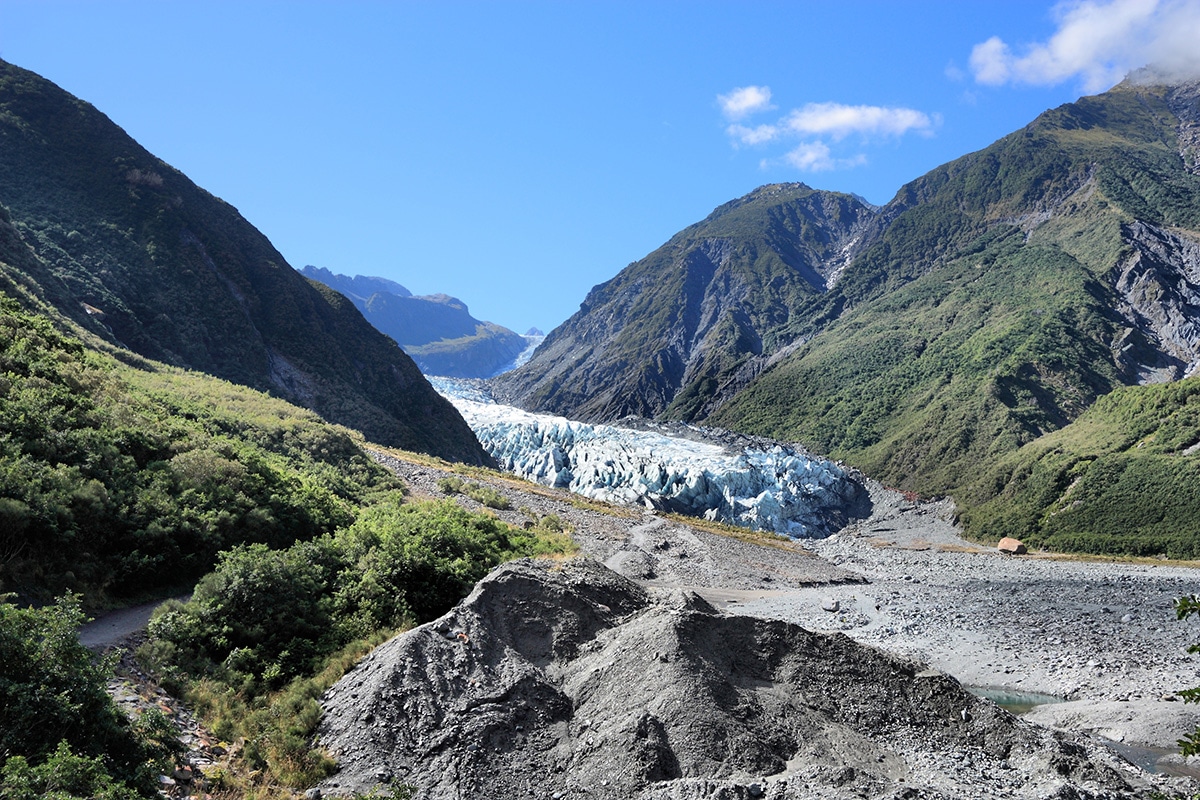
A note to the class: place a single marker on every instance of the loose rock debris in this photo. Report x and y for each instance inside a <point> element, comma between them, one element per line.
<point>576,682</point>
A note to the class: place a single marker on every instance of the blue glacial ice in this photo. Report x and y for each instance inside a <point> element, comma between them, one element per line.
<point>775,488</point>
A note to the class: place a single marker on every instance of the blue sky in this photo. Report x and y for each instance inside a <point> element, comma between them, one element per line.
<point>515,154</point>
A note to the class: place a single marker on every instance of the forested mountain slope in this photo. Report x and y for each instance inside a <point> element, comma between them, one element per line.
<point>131,250</point>
<point>1124,478</point>
<point>991,301</point>
<point>1013,287</point>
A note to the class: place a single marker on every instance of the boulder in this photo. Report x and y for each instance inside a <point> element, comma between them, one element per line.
<point>1011,546</point>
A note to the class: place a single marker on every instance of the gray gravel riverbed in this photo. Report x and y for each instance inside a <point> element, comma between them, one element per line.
<point>1101,634</point>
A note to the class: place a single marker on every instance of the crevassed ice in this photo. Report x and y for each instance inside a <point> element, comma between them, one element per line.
<point>777,489</point>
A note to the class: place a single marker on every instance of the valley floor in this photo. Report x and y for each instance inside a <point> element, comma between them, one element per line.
<point>1100,634</point>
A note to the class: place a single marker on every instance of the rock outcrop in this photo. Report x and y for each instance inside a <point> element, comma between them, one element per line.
<point>709,307</point>
<point>1159,283</point>
<point>1011,546</point>
<point>561,679</point>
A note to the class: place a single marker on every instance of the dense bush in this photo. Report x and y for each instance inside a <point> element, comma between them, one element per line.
<point>61,735</point>
<point>264,617</point>
<point>269,630</point>
<point>117,482</point>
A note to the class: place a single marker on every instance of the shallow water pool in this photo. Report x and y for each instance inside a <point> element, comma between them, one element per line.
<point>1013,700</point>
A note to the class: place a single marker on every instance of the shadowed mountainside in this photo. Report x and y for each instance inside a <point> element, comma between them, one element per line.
<point>701,312</point>
<point>135,253</point>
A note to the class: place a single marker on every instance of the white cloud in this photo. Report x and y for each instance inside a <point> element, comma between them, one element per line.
<point>818,157</point>
<point>757,135</point>
<point>839,121</point>
<point>1099,42</point>
<point>811,157</point>
<point>813,128</point>
<point>744,101</point>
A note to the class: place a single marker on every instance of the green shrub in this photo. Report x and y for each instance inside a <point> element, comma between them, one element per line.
<point>487,496</point>
<point>62,776</point>
<point>269,630</point>
<point>61,735</point>
<point>484,495</point>
<point>451,484</point>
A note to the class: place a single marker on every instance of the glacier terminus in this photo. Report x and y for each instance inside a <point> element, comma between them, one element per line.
<point>774,488</point>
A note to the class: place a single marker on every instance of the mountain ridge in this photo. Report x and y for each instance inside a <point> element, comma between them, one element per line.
<point>1048,203</point>
<point>729,282</point>
<point>436,330</point>
<point>992,301</point>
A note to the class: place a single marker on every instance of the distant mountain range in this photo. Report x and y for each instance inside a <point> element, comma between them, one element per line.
<point>131,251</point>
<point>436,330</point>
<point>929,342</point>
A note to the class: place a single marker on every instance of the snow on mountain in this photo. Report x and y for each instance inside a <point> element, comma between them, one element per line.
<point>778,489</point>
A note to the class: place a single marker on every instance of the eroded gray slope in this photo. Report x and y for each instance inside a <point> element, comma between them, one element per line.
<point>564,679</point>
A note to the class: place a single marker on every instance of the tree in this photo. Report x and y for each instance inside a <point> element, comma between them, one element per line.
<point>1184,608</point>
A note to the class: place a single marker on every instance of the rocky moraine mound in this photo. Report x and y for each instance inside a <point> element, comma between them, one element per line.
<point>564,679</point>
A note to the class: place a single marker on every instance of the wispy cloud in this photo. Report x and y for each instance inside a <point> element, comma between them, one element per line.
<point>815,125</point>
<point>760,134</point>
<point>811,157</point>
<point>744,101</point>
<point>839,121</point>
<point>1099,42</point>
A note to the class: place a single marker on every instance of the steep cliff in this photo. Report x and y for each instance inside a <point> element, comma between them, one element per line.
<point>707,307</point>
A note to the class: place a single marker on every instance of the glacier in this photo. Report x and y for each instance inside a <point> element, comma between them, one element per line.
<point>774,488</point>
<point>531,343</point>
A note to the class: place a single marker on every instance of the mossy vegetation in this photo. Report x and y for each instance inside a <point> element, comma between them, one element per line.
<point>1122,479</point>
<point>984,316</point>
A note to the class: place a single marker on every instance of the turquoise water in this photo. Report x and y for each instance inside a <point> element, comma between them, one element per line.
<point>1012,700</point>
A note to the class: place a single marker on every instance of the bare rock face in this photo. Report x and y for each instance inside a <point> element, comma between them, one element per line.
<point>1159,285</point>
<point>709,307</point>
<point>562,680</point>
